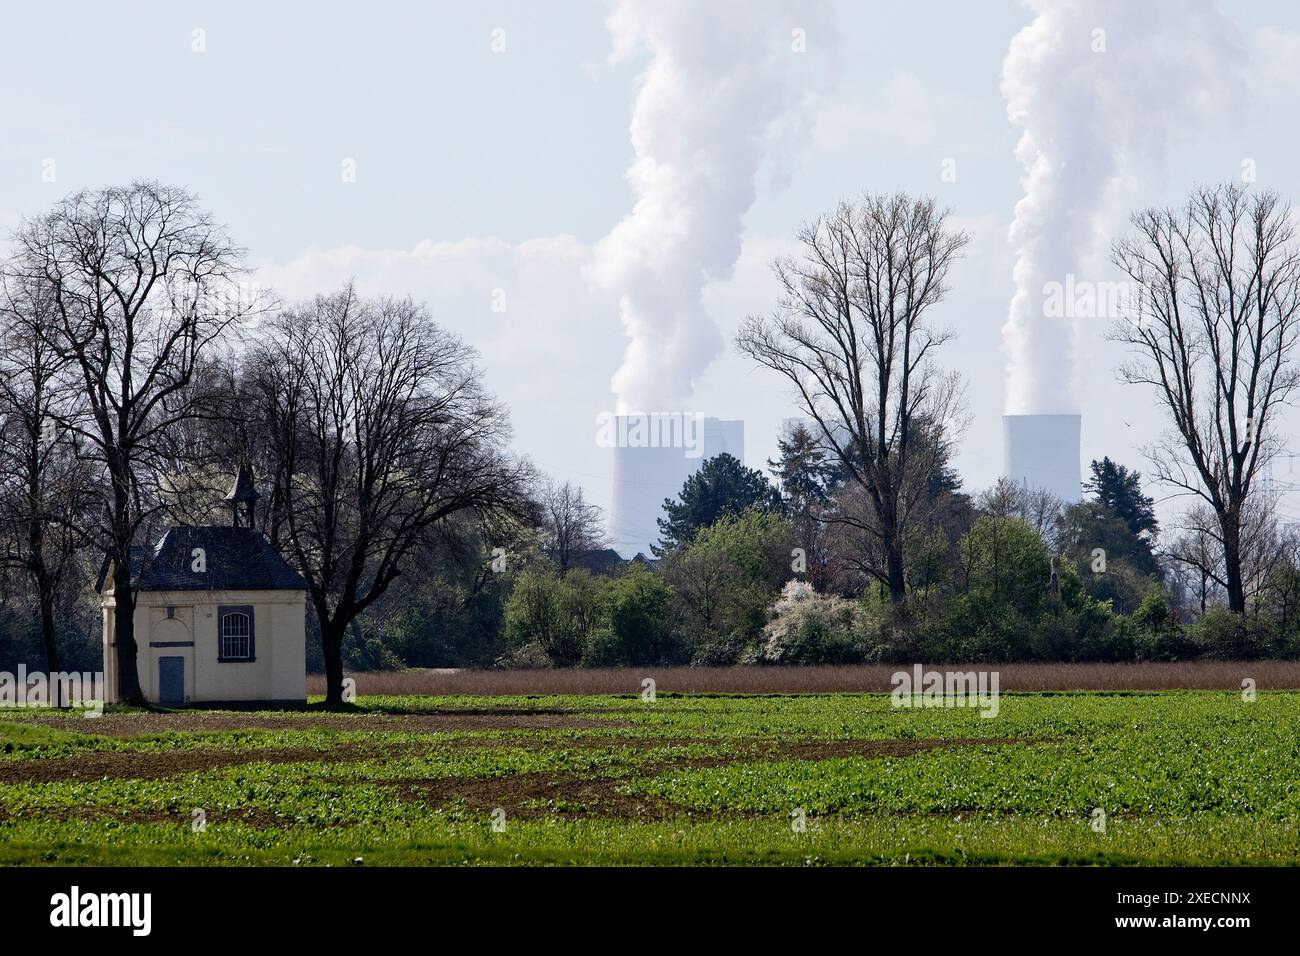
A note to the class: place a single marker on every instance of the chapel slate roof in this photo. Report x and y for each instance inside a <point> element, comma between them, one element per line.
<point>598,561</point>
<point>139,557</point>
<point>238,559</point>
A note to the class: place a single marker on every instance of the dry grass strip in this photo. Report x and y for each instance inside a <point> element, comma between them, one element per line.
<point>865,678</point>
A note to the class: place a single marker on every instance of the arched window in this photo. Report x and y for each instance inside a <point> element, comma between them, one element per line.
<point>236,633</point>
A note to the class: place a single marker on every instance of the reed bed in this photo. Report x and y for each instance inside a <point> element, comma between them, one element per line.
<point>864,678</point>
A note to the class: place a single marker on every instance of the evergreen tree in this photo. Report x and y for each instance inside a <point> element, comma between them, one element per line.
<point>806,473</point>
<point>1120,490</point>
<point>809,474</point>
<point>722,486</point>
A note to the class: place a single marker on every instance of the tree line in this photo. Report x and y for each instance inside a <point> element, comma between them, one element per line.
<point>138,366</point>
<point>892,560</point>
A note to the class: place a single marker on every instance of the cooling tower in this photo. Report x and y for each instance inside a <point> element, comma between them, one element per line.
<point>1042,451</point>
<point>723,437</point>
<point>652,463</point>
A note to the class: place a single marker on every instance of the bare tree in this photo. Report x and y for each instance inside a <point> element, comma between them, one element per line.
<point>809,479</point>
<point>199,455</point>
<point>1280,594</point>
<point>1214,329</point>
<point>1262,542</point>
<point>851,334</point>
<point>1199,547</point>
<point>235,428</point>
<point>382,433</point>
<point>854,540</point>
<point>141,284</point>
<point>1036,507</point>
<point>571,526</point>
<point>46,494</point>
<point>1196,549</point>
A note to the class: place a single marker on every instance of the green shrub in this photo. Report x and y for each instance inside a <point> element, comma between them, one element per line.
<point>604,649</point>
<point>638,604</point>
<point>1222,635</point>
<point>1005,558</point>
<point>982,627</point>
<point>724,581</point>
<point>1158,635</point>
<point>711,649</point>
<point>557,615</point>
<point>370,651</point>
<point>1085,633</point>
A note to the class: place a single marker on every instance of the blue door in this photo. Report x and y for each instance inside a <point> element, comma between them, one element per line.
<point>171,680</point>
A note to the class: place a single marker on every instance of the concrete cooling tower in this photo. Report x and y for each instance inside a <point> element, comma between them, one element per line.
<point>1042,451</point>
<point>645,474</point>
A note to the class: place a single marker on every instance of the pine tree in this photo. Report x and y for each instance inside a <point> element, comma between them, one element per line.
<point>806,473</point>
<point>1120,490</point>
<point>722,486</point>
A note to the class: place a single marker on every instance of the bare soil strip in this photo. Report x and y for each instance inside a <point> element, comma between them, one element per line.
<point>529,796</point>
<point>144,724</point>
<point>158,765</point>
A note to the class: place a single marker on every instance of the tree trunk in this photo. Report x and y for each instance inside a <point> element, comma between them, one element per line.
<point>897,579</point>
<point>331,636</point>
<point>892,539</point>
<point>46,595</point>
<point>1231,528</point>
<point>897,583</point>
<point>128,676</point>
<point>45,586</point>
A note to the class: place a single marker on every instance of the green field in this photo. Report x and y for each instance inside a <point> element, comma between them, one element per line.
<point>1182,778</point>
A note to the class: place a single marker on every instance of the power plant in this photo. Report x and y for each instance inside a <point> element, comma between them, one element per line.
<point>1042,452</point>
<point>653,455</point>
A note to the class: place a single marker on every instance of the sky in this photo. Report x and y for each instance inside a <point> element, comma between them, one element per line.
<point>591,193</point>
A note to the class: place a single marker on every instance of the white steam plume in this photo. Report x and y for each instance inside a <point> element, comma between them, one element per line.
<point>1097,87</point>
<point>723,83</point>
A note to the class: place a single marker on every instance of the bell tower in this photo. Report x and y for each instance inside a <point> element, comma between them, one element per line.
<point>242,499</point>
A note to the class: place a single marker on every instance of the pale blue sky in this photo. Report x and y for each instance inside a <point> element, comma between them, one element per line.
<point>481,170</point>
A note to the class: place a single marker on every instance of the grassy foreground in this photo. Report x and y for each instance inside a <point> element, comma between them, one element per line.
<point>1181,778</point>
